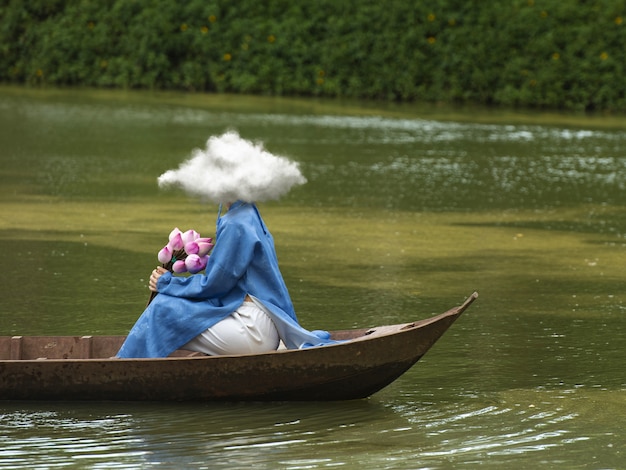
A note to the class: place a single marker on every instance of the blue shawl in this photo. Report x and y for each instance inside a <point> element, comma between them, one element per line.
<point>242,262</point>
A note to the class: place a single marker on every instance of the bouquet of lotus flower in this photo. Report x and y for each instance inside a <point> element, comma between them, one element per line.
<point>185,252</point>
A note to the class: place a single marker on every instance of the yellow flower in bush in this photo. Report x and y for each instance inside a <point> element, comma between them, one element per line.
<point>618,20</point>
<point>604,56</point>
<point>556,56</point>
<point>204,30</point>
<point>431,39</point>
<point>271,38</point>
<point>227,57</point>
<point>431,17</point>
<point>212,19</point>
<point>183,27</point>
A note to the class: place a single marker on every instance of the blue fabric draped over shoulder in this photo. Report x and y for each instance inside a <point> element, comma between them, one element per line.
<point>242,262</point>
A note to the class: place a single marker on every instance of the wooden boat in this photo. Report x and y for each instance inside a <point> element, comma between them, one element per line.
<point>82,367</point>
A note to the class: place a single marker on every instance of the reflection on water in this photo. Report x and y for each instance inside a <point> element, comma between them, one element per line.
<point>403,216</point>
<point>228,435</point>
<point>517,428</point>
<point>371,161</point>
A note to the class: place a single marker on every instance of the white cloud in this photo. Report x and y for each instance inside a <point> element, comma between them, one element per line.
<point>231,168</point>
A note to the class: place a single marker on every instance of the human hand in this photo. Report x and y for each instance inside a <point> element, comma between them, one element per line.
<point>154,277</point>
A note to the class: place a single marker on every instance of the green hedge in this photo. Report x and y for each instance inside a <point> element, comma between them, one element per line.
<point>563,54</point>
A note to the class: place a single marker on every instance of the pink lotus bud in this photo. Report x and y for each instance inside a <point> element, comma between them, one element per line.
<point>194,264</point>
<point>191,248</point>
<point>179,266</point>
<point>176,243</point>
<point>174,232</point>
<point>165,255</point>
<point>190,235</point>
<point>204,248</point>
<point>204,259</point>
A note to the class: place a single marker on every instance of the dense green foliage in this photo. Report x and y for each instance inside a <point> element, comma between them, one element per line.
<point>542,53</point>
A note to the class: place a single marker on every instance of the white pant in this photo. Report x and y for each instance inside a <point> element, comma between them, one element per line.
<point>248,330</point>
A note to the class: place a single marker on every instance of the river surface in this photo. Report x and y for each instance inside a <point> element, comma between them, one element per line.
<point>407,211</point>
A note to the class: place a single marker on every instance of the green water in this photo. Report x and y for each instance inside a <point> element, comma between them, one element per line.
<point>407,211</point>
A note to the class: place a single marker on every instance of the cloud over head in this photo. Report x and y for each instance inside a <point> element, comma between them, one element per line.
<point>231,168</point>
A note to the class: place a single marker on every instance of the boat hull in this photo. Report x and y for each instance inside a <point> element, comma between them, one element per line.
<point>353,369</point>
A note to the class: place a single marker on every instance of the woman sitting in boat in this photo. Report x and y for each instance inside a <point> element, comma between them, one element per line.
<point>240,305</point>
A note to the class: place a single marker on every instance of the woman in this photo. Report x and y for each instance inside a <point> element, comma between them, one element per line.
<point>240,305</point>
